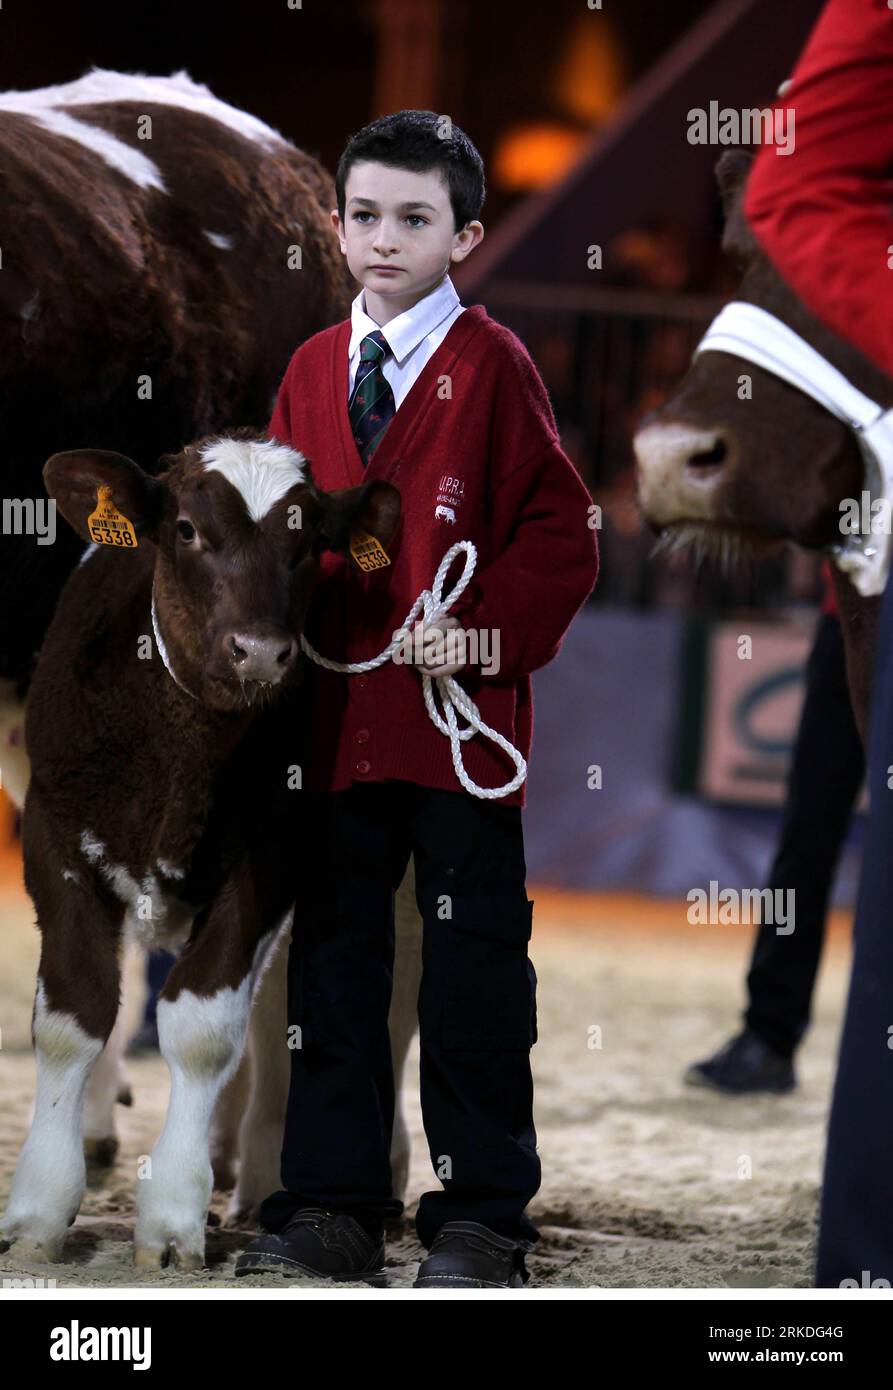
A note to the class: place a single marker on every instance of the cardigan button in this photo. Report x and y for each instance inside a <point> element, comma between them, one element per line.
<point>362,735</point>
<point>364,766</point>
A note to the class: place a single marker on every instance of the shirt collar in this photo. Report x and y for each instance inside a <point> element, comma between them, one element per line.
<point>406,331</point>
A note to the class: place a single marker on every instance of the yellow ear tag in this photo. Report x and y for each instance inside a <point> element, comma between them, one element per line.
<point>108,526</point>
<point>368,552</point>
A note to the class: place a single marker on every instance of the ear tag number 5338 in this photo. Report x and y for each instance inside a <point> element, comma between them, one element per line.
<point>368,552</point>
<point>108,526</point>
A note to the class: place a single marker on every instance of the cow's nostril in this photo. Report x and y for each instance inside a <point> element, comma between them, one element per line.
<point>261,656</point>
<point>709,458</point>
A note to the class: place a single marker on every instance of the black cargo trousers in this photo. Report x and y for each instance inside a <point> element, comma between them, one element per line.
<point>477,1008</point>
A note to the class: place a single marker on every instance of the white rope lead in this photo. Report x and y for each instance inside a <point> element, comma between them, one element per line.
<point>162,649</point>
<point>433,605</point>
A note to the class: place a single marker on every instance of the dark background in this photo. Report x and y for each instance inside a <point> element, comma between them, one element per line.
<point>320,72</point>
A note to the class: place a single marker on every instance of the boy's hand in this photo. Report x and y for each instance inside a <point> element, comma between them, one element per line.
<point>436,665</point>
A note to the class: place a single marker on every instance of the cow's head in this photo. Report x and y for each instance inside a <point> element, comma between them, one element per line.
<point>235,528</point>
<point>721,463</point>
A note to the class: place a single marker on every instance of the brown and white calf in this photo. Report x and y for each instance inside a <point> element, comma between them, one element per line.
<point>720,468</point>
<point>163,254</point>
<point>165,737</point>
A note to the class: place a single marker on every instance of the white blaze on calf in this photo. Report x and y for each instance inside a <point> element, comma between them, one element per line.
<point>260,472</point>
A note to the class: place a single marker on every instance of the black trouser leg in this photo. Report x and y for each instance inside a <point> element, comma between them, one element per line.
<point>476,1012</point>
<point>336,1148</point>
<point>856,1230</point>
<point>826,773</point>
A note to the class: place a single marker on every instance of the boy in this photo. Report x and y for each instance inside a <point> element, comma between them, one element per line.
<point>445,404</point>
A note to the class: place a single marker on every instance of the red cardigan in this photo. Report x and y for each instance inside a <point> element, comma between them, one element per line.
<point>475,433</point>
<point>822,214</point>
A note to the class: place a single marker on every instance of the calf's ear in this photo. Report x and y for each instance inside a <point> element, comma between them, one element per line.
<point>373,508</point>
<point>104,496</point>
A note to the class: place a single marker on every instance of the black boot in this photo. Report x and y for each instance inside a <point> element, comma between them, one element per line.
<point>329,1245</point>
<point>744,1066</point>
<point>466,1255</point>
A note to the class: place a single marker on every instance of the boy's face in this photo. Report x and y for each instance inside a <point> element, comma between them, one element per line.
<point>399,234</point>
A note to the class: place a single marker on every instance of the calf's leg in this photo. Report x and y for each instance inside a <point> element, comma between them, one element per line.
<point>267,1057</point>
<point>74,1013</point>
<point>104,1087</point>
<point>231,1106</point>
<point>201,1036</point>
<point>202,1023</point>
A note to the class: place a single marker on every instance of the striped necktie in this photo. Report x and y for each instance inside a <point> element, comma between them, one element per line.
<point>371,407</point>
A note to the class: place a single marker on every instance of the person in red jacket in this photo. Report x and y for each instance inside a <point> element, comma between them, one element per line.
<point>823,215</point>
<point>446,405</point>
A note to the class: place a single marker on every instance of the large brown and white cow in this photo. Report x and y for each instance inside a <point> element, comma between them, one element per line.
<point>722,469</point>
<point>164,799</point>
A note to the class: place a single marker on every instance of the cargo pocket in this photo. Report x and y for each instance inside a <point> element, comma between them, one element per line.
<point>489,987</point>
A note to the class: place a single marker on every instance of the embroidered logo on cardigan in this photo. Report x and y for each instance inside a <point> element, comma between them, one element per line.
<point>450,492</point>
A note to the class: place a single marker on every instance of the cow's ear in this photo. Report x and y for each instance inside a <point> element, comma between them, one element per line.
<point>372,508</point>
<point>105,496</point>
<point>731,176</point>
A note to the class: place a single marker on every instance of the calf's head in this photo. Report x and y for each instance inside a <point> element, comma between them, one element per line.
<point>235,528</point>
<point>727,461</point>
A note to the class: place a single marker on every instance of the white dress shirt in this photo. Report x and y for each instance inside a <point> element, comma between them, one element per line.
<point>412,336</point>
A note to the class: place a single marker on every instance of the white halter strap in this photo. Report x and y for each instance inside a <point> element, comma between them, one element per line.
<point>746,331</point>
<point>162,650</point>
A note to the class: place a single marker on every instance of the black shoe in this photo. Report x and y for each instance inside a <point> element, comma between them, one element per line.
<point>746,1064</point>
<point>327,1244</point>
<point>466,1255</point>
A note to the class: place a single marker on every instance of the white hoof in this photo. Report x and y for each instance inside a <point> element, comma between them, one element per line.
<point>170,1254</point>
<point>33,1241</point>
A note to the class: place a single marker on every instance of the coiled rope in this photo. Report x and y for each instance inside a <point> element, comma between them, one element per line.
<point>432,605</point>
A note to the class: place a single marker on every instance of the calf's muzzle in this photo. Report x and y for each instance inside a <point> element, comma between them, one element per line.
<point>265,657</point>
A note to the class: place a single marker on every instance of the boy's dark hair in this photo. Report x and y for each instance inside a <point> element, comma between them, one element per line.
<point>420,140</point>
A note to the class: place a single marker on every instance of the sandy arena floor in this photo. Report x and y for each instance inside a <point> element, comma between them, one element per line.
<point>641,1173</point>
